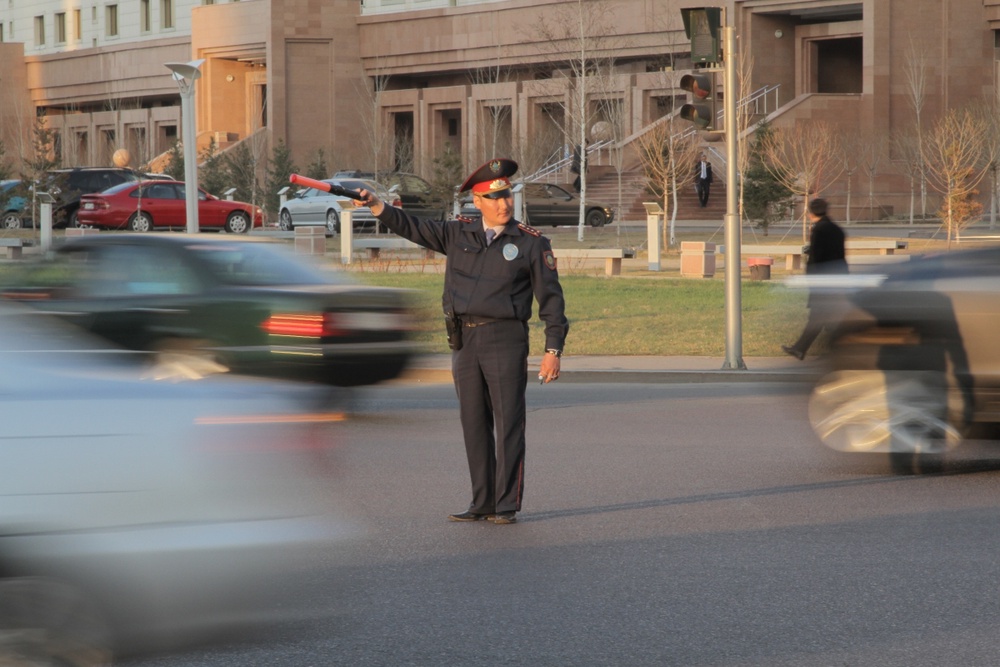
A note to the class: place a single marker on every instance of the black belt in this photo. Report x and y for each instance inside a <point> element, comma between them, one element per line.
<point>476,320</point>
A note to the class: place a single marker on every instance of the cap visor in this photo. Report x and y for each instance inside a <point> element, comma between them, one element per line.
<point>499,194</point>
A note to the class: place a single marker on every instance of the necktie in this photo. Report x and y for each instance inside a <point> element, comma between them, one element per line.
<point>490,234</point>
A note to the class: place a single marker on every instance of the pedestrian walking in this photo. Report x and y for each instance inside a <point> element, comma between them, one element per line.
<point>703,179</point>
<point>494,271</point>
<point>826,256</point>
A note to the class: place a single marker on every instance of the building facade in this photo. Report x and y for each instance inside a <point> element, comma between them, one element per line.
<point>390,84</point>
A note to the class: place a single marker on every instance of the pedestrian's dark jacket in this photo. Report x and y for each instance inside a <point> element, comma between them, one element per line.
<point>826,248</point>
<point>491,281</point>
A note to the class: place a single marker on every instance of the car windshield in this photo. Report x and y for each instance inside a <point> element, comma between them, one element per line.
<point>115,189</point>
<point>256,264</point>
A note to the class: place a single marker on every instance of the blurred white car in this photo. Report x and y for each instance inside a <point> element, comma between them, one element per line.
<point>137,513</point>
<point>316,207</point>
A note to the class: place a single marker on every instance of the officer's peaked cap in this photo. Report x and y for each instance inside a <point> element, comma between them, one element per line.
<point>494,176</point>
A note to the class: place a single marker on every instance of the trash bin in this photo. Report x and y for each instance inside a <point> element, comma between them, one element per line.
<point>760,268</point>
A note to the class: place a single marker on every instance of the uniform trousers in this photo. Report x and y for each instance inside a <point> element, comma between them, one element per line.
<point>491,375</point>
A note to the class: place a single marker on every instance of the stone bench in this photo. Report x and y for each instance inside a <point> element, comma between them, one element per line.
<point>13,246</point>
<point>612,256</point>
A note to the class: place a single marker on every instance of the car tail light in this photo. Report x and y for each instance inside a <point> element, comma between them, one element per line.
<point>397,203</point>
<point>322,325</point>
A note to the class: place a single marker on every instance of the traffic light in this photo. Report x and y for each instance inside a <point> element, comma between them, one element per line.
<point>701,25</point>
<point>701,110</point>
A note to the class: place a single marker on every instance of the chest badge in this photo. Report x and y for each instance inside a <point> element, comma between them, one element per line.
<point>510,252</point>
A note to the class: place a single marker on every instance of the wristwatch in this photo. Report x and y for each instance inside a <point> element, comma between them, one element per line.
<point>554,351</point>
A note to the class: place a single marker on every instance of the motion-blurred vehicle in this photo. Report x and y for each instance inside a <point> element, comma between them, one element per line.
<point>67,186</point>
<point>138,513</point>
<point>312,207</point>
<point>240,304</point>
<point>147,205</point>
<point>551,205</point>
<point>13,206</point>
<point>914,366</point>
<point>416,195</point>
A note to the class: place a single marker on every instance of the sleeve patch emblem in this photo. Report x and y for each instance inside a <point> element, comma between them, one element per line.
<point>550,259</point>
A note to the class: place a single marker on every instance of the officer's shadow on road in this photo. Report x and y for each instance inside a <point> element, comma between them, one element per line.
<point>956,468</point>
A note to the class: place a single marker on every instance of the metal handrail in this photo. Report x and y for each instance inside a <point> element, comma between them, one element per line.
<point>758,98</point>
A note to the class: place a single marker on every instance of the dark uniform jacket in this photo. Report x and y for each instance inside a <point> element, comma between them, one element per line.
<point>826,248</point>
<point>496,281</point>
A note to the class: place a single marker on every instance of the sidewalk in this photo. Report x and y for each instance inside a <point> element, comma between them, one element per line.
<point>436,368</point>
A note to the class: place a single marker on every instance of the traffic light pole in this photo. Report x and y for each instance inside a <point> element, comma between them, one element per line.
<point>734,306</point>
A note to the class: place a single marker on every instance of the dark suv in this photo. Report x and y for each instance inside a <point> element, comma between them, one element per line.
<point>67,185</point>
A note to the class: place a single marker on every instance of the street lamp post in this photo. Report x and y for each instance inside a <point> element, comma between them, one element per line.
<point>185,74</point>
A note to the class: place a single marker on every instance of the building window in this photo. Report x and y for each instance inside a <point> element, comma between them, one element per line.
<point>167,13</point>
<point>39,31</point>
<point>208,2</point>
<point>111,21</point>
<point>145,20</point>
<point>77,25</point>
<point>61,28</point>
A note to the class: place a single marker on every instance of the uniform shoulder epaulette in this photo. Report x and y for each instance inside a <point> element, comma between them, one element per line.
<point>464,218</point>
<point>529,229</point>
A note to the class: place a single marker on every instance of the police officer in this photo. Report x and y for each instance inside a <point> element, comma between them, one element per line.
<point>494,269</point>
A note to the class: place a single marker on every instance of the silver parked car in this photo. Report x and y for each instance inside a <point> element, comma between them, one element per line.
<point>136,513</point>
<point>316,207</point>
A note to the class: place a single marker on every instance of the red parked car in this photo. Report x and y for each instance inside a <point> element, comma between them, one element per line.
<point>147,205</point>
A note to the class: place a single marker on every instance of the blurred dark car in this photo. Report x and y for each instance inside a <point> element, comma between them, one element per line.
<point>147,205</point>
<point>13,205</point>
<point>914,363</point>
<point>67,186</point>
<point>415,194</point>
<point>551,205</point>
<point>138,514</point>
<point>209,301</point>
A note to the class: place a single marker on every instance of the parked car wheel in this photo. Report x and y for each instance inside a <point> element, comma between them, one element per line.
<point>285,221</point>
<point>72,221</point>
<point>332,222</point>
<point>53,622</point>
<point>238,222</point>
<point>12,220</point>
<point>595,218</point>
<point>140,222</point>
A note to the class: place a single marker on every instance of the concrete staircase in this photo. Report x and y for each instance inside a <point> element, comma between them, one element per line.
<point>602,185</point>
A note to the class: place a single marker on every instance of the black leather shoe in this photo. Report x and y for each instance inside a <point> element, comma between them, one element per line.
<point>469,516</point>
<point>504,518</point>
<point>792,351</point>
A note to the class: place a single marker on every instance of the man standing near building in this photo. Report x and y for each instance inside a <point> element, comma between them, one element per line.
<point>493,272</point>
<point>703,179</point>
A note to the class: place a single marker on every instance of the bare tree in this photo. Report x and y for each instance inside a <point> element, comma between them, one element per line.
<point>575,33</point>
<point>495,114</point>
<point>667,161</point>
<point>990,112</point>
<point>744,119</point>
<point>907,149</point>
<point>916,65</point>
<point>378,141</point>
<point>803,159</point>
<point>956,164</point>
<point>849,147</point>
<point>612,123</point>
<point>871,154</point>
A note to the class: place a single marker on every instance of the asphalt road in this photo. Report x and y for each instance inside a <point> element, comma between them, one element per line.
<point>664,524</point>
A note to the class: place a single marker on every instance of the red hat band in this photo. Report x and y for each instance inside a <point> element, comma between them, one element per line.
<point>495,185</point>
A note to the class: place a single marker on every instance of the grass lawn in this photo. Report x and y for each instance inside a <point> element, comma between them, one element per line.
<point>637,315</point>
